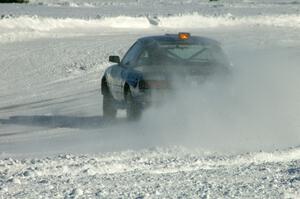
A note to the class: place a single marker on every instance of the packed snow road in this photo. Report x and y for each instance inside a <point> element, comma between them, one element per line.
<point>236,139</point>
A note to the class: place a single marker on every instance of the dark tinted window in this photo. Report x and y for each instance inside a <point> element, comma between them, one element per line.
<point>164,53</point>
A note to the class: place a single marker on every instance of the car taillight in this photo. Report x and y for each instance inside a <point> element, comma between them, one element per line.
<point>155,84</point>
<point>142,84</point>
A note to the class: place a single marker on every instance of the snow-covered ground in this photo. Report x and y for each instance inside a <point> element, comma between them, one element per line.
<point>237,139</point>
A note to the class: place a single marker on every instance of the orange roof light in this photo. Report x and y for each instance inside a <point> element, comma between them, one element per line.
<point>184,35</point>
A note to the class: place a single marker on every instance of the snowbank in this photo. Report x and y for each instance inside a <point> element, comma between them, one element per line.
<point>27,27</point>
<point>83,3</point>
<point>199,21</point>
<point>194,20</point>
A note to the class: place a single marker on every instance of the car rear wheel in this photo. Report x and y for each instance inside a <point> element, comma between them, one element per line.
<point>133,109</point>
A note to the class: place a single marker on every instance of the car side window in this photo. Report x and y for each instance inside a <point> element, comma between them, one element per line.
<point>132,55</point>
<point>144,58</point>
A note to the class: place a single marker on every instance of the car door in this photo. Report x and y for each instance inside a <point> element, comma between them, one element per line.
<point>121,72</point>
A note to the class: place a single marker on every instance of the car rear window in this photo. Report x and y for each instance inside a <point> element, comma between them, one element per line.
<point>192,52</point>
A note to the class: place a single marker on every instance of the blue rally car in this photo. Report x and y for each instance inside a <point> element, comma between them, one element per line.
<point>151,65</point>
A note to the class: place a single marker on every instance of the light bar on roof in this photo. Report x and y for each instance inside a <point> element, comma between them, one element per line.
<point>184,35</point>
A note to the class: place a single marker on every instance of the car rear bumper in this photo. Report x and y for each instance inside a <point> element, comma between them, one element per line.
<point>153,97</point>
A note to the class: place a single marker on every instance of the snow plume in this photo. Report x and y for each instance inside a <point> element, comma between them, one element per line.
<point>258,108</point>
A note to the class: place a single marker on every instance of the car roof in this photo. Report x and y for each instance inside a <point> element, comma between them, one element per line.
<point>173,38</point>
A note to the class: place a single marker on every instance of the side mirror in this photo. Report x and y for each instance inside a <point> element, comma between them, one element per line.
<point>114,59</point>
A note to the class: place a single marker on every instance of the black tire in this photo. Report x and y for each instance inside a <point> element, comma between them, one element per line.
<point>109,110</point>
<point>133,109</point>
